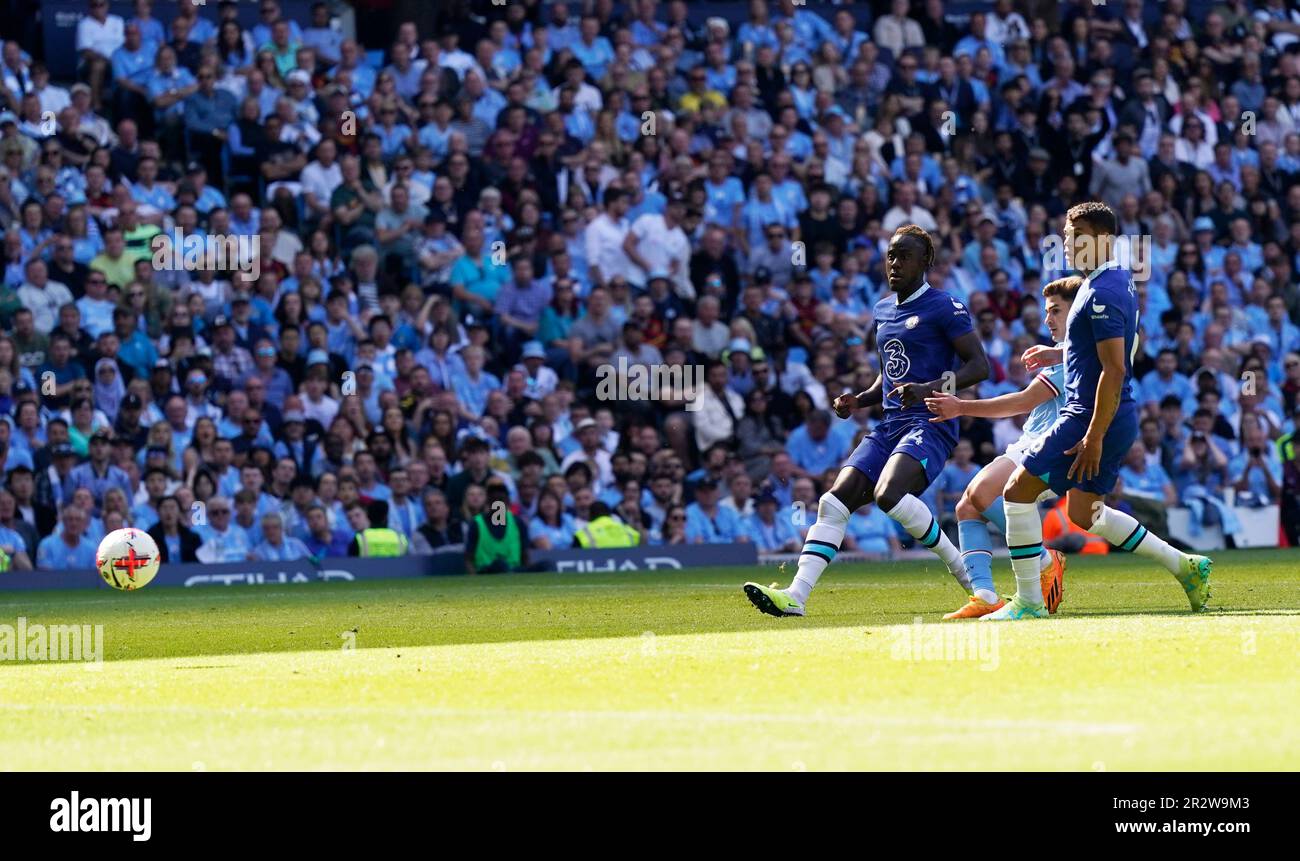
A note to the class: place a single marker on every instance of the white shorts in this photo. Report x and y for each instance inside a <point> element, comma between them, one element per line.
<point>1018,451</point>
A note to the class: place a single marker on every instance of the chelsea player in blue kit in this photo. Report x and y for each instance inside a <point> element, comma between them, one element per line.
<point>1081,454</point>
<point>926,343</point>
<point>981,501</point>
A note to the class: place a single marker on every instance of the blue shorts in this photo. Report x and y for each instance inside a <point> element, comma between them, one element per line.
<point>913,434</point>
<point>1048,459</point>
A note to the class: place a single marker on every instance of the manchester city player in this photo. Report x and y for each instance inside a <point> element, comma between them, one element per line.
<point>1082,452</point>
<point>982,499</point>
<point>926,343</point>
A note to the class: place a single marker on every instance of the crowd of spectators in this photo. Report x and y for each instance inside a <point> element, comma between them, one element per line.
<point>461,230</point>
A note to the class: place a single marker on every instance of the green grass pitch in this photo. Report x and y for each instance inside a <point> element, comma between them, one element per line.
<point>668,671</point>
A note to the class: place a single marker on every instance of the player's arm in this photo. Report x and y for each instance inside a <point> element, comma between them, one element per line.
<point>974,369</point>
<point>1041,356</point>
<point>1087,461</point>
<point>946,406</point>
<point>872,396</point>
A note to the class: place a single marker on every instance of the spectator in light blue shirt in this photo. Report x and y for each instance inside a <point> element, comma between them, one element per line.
<point>710,523</point>
<point>1256,468</point>
<point>814,448</point>
<point>320,36</point>
<point>168,85</point>
<point>954,478</point>
<point>1164,381</point>
<point>872,531</point>
<point>276,546</point>
<point>552,527</point>
<point>591,48</point>
<point>69,548</point>
<point>473,388</point>
<point>223,541</point>
<point>769,531</point>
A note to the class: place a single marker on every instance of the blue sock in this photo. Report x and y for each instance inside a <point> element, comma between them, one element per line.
<point>977,555</point>
<point>995,515</point>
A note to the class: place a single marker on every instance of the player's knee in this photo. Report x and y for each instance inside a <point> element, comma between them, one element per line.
<point>888,496</point>
<point>1083,513</point>
<point>832,509</point>
<point>1017,489</point>
<point>968,508</point>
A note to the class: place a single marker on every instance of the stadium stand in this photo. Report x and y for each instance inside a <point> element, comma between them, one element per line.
<point>263,260</point>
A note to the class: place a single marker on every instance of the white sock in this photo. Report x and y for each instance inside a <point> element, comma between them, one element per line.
<point>1025,541</point>
<point>821,545</point>
<point>1123,531</point>
<point>916,518</point>
<point>1044,561</point>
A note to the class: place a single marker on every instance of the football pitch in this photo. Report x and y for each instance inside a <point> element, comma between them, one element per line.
<point>667,671</point>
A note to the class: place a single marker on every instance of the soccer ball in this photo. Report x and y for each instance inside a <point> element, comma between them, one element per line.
<point>127,559</point>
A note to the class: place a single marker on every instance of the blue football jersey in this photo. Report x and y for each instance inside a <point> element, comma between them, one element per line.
<point>914,339</point>
<point>1106,307</point>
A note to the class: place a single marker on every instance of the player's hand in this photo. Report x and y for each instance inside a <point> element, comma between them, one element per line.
<point>944,406</point>
<point>845,404</point>
<point>912,394</point>
<point>1087,460</point>
<point>1039,356</point>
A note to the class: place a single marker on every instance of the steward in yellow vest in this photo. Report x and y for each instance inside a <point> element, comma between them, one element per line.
<point>370,541</point>
<point>603,531</point>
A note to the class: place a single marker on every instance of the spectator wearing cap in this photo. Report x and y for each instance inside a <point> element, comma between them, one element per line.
<point>590,452</point>
<point>275,380</point>
<point>539,380</point>
<point>97,474</point>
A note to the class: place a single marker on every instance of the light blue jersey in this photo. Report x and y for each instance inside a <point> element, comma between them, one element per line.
<point>1044,415</point>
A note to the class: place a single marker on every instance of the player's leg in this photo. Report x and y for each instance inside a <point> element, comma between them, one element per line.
<point>981,496</point>
<point>852,489</point>
<point>897,493</point>
<point>1089,511</point>
<point>1025,545</point>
